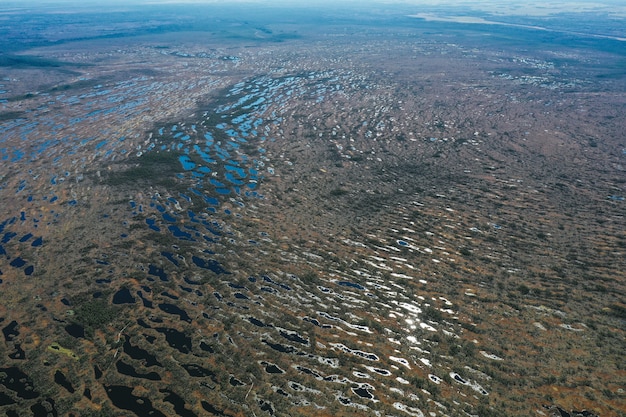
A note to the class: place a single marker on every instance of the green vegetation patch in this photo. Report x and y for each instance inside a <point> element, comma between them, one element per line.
<point>157,168</point>
<point>11,115</point>
<point>95,314</point>
<point>55,347</point>
<point>75,85</point>
<point>30,61</point>
<point>338,192</point>
<point>618,310</point>
<point>61,88</point>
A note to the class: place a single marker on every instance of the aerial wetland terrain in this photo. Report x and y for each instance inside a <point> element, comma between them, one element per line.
<point>252,211</point>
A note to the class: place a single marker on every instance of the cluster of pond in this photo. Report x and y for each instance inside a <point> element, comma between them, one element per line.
<point>222,162</point>
<point>8,236</point>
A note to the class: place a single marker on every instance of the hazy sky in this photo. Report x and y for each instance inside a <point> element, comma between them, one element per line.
<point>517,7</point>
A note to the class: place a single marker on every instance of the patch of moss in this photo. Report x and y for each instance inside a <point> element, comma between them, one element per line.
<point>55,347</point>
<point>156,168</point>
<point>94,314</point>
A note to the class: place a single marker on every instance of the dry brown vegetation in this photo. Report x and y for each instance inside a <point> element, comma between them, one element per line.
<point>432,206</point>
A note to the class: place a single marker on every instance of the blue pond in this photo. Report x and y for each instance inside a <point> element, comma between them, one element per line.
<point>8,236</point>
<point>168,295</point>
<point>157,272</point>
<point>26,237</point>
<point>216,183</point>
<point>351,285</point>
<point>173,309</point>
<point>152,225</point>
<point>186,163</point>
<point>231,178</point>
<point>169,218</point>
<point>123,296</point>
<point>209,264</point>
<point>170,257</point>
<point>179,233</point>
<point>239,171</point>
<point>18,262</point>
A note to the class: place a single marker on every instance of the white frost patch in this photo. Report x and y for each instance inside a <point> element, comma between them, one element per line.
<point>450,334</point>
<point>476,387</point>
<point>414,412</point>
<point>473,384</point>
<point>413,397</point>
<point>478,373</point>
<point>427,327</point>
<point>361,273</point>
<point>401,361</point>
<point>395,258</point>
<point>413,339</point>
<point>426,362</point>
<point>301,388</point>
<point>419,350</point>
<point>539,326</point>
<point>396,390</point>
<point>348,403</point>
<point>438,404</point>
<point>490,356</point>
<point>447,302</point>
<point>338,379</point>
<point>379,371</point>
<point>357,327</point>
<point>434,378</point>
<point>404,276</point>
<point>569,327</point>
<point>378,286</point>
<point>458,378</point>
<point>344,348</point>
<point>402,381</point>
<point>378,266</point>
<point>332,362</point>
<point>354,243</point>
<point>400,287</point>
<point>396,341</point>
<point>411,307</point>
<point>361,375</point>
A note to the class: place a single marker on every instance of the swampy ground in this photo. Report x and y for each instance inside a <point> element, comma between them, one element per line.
<point>237,211</point>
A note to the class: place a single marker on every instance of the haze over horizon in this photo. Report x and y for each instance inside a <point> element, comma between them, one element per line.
<point>531,7</point>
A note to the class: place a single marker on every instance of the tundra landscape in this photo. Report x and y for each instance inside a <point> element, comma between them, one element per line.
<point>252,210</point>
